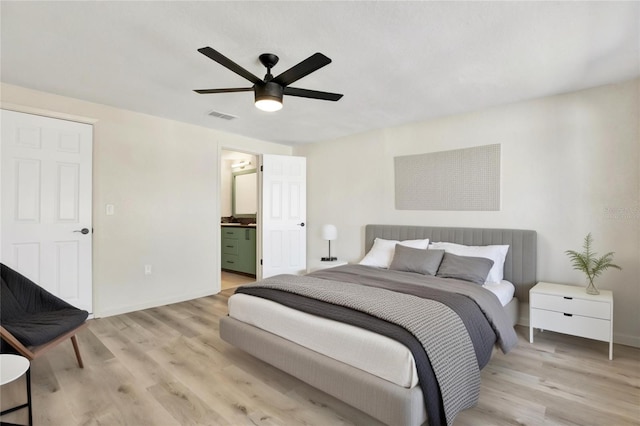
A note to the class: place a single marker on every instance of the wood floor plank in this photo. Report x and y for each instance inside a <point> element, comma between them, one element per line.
<point>114,398</point>
<point>168,366</point>
<point>146,370</point>
<point>334,410</point>
<point>279,404</point>
<point>158,329</point>
<point>167,317</point>
<point>133,331</point>
<point>503,408</point>
<point>231,280</point>
<point>268,374</point>
<point>184,405</point>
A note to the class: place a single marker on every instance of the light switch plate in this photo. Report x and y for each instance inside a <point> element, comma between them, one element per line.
<point>110,209</point>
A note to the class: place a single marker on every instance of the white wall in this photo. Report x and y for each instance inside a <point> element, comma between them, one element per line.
<point>163,178</point>
<point>570,165</point>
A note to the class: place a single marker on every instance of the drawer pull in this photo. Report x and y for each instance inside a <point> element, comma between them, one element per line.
<point>229,246</point>
<point>568,298</point>
<point>231,261</point>
<point>568,315</point>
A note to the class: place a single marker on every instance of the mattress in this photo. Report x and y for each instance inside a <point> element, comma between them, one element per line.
<point>376,354</point>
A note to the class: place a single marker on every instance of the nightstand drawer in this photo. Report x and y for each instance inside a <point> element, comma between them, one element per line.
<point>576,325</point>
<point>571,305</point>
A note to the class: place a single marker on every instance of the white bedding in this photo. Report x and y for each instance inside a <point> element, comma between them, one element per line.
<point>363,349</point>
<point>504,290</point>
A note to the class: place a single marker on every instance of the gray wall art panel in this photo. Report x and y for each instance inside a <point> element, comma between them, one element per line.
<point>462,179</point>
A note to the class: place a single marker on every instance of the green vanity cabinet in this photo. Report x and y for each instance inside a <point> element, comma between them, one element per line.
<point>239,249</point>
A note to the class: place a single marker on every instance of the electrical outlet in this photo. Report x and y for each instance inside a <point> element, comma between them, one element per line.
<point>147,269</point>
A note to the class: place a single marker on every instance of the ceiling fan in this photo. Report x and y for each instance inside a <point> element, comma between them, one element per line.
<point>270,90</point>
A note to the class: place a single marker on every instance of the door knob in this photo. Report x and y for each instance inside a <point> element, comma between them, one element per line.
<point>82,231</point>
<point>301,224</point>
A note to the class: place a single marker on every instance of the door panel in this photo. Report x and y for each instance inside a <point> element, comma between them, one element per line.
<point>27,190</point>
<point>67,192</point>
<point>46,199</point>
<point>26,259</point>
<point>66,264</point>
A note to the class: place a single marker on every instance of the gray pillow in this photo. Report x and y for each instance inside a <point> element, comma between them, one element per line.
<point>411,259</point>
<point>474,269</point>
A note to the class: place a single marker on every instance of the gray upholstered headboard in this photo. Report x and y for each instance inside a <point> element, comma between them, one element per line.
<point>519,267</point>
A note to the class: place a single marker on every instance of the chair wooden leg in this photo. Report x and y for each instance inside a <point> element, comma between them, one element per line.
<point>77,350</point>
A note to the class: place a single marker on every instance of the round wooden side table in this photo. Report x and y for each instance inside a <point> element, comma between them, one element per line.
<point>13,367</point>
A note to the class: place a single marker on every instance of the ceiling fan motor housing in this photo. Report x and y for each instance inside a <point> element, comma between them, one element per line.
<point>269,90</point>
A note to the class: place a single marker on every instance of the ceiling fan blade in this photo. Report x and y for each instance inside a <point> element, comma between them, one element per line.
<point>313,94</point>
<point>306,67</point>
<point>228,63</point>
<point>238,89</point>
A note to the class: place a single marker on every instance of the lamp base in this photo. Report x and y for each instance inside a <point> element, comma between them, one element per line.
<point>328,259</point>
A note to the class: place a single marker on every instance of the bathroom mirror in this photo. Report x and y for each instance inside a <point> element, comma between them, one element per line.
<point>245,193</point>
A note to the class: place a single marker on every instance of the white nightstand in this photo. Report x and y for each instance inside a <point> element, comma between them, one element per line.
<point>570,310</point>
<point>317,265</point>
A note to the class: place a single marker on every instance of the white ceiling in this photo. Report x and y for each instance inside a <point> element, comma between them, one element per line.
<point>395,62</point>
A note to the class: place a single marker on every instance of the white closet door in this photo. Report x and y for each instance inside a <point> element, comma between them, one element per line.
<point>46,203</point>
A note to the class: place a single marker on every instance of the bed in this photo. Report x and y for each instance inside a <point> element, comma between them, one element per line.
<point>391,394</point>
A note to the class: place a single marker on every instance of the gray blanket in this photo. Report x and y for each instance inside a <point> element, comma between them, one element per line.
<point>417,284</point>
<point>445,337</point>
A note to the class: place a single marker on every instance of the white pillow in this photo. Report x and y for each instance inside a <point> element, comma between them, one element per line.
<point>382,251</point>
<point>496,253</point>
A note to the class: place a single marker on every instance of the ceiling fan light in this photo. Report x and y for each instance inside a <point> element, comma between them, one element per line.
<point>269,97</point>
<point>268,105</point>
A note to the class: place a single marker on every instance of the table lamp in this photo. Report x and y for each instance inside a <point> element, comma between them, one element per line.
<point>329,232</point>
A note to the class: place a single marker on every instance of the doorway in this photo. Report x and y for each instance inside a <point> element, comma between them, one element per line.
<point>239,215</point>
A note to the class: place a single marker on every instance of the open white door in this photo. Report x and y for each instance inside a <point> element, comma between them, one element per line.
<point>284,215</point>
<point>46,203</point>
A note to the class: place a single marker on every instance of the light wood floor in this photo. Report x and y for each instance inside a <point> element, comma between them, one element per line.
<point>231,280</point>
<point>167,366</point>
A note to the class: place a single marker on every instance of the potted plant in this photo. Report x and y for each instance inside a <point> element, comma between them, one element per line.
<point>589,264</point>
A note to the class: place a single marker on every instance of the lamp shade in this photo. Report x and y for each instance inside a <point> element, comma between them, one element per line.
<point>329,232</point>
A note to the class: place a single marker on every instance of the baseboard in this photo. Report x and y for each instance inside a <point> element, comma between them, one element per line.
<point>626,339</point>
<point>523,320</point>
<point>153,303</point>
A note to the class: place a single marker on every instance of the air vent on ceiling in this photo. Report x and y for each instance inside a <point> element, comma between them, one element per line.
<point>222,115</point>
